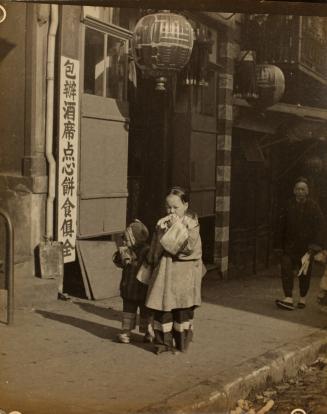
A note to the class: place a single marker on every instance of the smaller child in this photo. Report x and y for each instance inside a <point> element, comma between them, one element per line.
<point>130,257</point>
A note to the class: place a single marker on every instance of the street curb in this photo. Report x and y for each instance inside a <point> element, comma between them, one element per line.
<point>225,389</point>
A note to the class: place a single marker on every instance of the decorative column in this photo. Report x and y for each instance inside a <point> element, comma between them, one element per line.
<point>224,147</point>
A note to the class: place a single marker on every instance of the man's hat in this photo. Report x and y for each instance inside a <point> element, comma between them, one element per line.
<point>136,233</point>
<point>302,180</point>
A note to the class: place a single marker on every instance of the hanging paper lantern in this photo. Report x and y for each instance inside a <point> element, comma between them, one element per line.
<point>270,86</point>
<point>162,45</point>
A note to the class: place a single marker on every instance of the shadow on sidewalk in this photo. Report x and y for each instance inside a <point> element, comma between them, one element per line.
<point>256,294</point>
<point>107,313</point>
<point>96,329</point>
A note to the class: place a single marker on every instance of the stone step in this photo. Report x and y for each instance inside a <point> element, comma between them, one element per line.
<point>31,291</point>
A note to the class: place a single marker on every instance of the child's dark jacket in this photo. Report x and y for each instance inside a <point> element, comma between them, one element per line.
<point>130,287</point>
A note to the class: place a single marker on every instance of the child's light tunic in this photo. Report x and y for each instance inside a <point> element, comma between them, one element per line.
<point>176,280</point>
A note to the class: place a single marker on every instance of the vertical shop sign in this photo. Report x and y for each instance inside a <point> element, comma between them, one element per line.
<point>68,156</point>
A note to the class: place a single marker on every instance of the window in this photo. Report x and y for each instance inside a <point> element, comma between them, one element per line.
<point>106,61</point>
<point>93,63</point>
<point>116,68</point>
<point>205,96</point>
<point>209,95</point>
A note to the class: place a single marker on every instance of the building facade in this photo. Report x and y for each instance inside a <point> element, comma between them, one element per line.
<point>88,144</point>
<point>273,145</point>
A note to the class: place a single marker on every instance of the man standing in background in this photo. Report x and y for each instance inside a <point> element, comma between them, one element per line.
<point>300,236</point>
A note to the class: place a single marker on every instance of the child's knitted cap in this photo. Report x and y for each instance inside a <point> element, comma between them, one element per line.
<point>136,233</point>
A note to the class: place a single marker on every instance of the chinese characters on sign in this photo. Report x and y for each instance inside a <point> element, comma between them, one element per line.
<point>68,155</point>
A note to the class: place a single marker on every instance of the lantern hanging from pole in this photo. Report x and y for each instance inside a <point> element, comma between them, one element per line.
<point>245,84</point>
<point>196,71</point>
<point>162,45</point>
<point>270,82</point>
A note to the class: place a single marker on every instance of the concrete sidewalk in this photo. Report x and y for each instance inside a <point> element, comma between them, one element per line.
<point>63,358</point>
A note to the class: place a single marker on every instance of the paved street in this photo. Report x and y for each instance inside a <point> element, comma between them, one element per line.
<point>63,357</point>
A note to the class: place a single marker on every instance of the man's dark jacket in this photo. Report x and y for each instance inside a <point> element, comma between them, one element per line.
<point>301,227</point>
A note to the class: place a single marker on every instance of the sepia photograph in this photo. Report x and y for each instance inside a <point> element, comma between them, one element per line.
<point>163,207</point>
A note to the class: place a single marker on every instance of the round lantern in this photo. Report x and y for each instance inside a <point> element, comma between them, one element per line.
<point>270,85</point>
<point>162,44</point>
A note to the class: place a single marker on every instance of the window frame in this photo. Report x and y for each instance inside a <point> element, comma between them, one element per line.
<point>107,29</point>
<point>198,93</point>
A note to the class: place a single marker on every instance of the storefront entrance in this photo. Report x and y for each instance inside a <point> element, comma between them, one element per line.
<point>103,154</point>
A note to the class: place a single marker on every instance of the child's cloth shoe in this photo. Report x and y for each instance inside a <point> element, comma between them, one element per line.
<point>124,338</point>
<point>147,339</point>
<point>160,348</point>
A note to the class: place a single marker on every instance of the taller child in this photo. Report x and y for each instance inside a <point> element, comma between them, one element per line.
<point>175,286</point>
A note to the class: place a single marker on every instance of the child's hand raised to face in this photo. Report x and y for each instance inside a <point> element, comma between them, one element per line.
<point>175,206</point>
<point>173,218</point>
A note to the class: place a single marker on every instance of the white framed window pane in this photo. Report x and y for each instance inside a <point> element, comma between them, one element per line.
<point>116,68</point>
<point>94,62</point>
